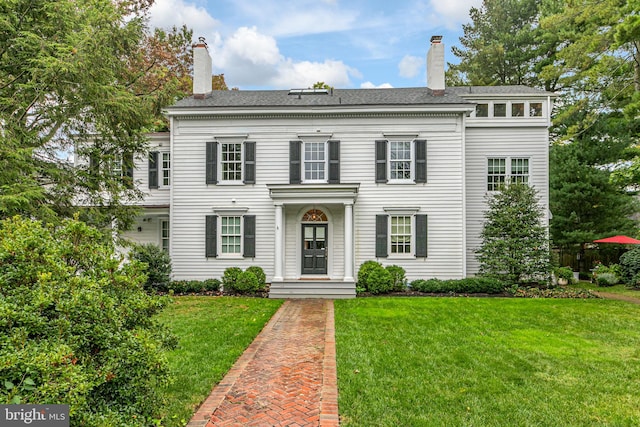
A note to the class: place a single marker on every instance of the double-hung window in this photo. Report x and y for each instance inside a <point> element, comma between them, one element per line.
<point>166,169</point>
<point>401,161</point>
<point>314,161</point>
<point>230,161</point>
<point>503,169</point>
<point>230,234</point>
<point>402,233</point>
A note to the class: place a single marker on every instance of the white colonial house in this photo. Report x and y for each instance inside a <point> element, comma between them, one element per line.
<point>309,184</point>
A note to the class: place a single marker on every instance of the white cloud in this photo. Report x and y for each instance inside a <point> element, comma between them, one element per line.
<point>410,66</point>
<point>369,85</point>
<point>303,17</point>
<point>451,13</point>
<point>167,13</point>
<point>249,58</point>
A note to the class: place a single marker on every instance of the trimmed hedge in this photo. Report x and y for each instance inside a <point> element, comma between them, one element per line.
<point>482,285</point>
<point>251,281</point>
<point>193,286</point>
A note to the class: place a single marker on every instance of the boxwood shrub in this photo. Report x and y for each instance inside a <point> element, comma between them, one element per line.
<point>193,286</point>
<point>251,281</point>
<point>482,285</point>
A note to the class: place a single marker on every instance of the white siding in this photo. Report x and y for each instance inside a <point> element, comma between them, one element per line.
<point>440,198</point>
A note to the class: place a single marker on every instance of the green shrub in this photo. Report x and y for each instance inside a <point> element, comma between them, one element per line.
<point>613,269</point>
<point>398,278</point>
<point>606,279</point>
<point>77,327</point>
<point>562,292</point>
<point>158,266</point>
<point>630,265</point>
<point>564,273</point>
<point>259,272</point>
<point>374,278</point>
<point>247,283</point>
<point>230,277</point>
<point>484,285</point>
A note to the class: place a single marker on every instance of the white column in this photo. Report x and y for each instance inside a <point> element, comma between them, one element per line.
<point>277,276</point>
<point>348,242</point>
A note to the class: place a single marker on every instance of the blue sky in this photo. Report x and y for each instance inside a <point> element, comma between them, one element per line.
<point>280,44</point>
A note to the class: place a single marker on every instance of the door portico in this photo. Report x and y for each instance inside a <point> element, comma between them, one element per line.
<point>307,248</point>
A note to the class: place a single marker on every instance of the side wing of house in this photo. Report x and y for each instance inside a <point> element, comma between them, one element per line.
<point>507,139</point>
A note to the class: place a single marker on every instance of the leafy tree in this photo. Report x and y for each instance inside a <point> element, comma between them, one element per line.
<point>504,45</point>
<point>78,71</point>
<point>515,246</point>
<point>77,327</point>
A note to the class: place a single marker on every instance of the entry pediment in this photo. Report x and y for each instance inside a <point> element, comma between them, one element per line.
<point>316,193</point>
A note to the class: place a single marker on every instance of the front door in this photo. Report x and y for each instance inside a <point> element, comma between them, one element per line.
<point>314,248</point>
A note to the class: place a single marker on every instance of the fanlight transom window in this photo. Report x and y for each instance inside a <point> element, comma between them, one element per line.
<point>314,215</point>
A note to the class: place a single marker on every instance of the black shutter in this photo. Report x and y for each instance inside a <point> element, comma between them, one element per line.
<point>212,162</point>
<point>249,162</point>
<point>94,171</point>
<point>421,236</point>
<point>127,170</point>
<point>421,160</point>
<point>249,236</point>
<point>211,242</point>
<point>334,162</point>
<point>153,169</point>
<point>295,163</point>
<point>381,160</point>
<point>382,230</point>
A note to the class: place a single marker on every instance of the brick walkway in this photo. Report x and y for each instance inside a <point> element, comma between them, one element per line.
<point>287,376</point>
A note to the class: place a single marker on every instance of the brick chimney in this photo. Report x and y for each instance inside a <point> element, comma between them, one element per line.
<point>201,69</point>
<point>435,66</point>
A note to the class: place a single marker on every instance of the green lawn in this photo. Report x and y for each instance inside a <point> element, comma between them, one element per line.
<point>488,362</point>
<point>213,332</point>
<point>617,289</point>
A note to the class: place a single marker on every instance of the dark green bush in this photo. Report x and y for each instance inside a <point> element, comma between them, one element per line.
<point>259,272</point>
<point>398,278</point>
<point>247,283</point>
<point>158,266</point>
<point>230,277</point>
<point>194,286</point>
<point>374,278</point>
<point>630,265</point>
<point>483,285</point>
<point>76,326</point>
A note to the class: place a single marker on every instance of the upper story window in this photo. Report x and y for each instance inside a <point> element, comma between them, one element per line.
<point>230,162</point>
<point>166,169</point>
<point>159,169</point>
<point>401,161</point>
<point>119,165</point>
<point>515,108</point>
<point>314,162</point>
<point>499,170</point>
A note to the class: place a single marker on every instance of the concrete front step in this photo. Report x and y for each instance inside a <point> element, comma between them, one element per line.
<point>325,289</point>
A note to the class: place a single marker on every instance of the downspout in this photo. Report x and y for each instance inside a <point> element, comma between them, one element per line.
<point>464,194</point>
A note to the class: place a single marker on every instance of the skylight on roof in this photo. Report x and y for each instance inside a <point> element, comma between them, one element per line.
<point>309,92</point>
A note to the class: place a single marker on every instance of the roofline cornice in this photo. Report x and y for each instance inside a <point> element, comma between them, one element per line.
<point>206,113</point>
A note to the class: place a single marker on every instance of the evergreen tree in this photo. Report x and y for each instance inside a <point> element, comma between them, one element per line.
<point>515,245</point>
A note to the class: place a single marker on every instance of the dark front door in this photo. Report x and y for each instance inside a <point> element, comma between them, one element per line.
<point>314,248</point>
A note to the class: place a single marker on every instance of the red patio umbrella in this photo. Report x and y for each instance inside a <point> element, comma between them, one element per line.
<point>623,240</point>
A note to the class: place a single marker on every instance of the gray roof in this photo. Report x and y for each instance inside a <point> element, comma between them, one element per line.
<point>346,97</point>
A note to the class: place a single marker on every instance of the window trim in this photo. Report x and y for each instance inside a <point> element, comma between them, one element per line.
<point>418,169</point>
<point>412,236</point>
<point>412,162</point>
<point>162,169</point>
<point>232,255</point>
<point>220,177</point>
<point>509,108</point>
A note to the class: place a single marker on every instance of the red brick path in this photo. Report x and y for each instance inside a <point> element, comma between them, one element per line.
<point>287,376</point>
